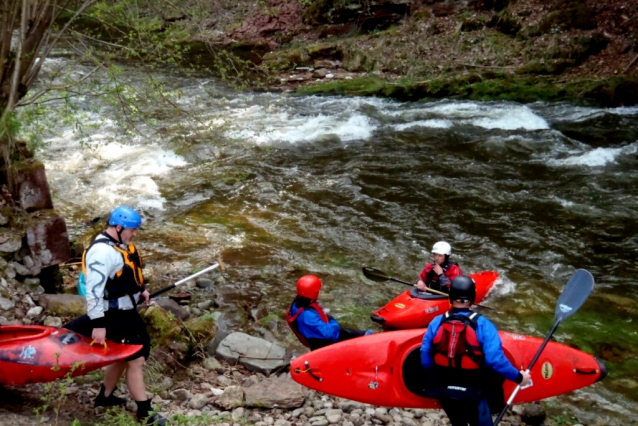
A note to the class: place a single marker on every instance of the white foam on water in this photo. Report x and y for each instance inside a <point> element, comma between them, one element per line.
<point>112,172</point>
<point>511,118</point>
<point>261,127</point>
<point>563,202</point>
<point>455,109</point>
<point>502,286</point>
<point>597,157</point>
<point>632,110</point>
<point>485,115</point>
<point>434,124</point>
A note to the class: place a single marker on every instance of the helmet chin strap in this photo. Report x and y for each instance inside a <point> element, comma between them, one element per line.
<point>119,233</point>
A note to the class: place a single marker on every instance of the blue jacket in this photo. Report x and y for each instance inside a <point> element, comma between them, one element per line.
<point>311,326</point>
<point>487,336</point>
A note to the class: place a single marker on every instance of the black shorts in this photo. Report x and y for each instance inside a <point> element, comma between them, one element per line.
<point>121,326</point>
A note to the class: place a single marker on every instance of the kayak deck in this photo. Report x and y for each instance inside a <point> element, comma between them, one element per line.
<point>34,354</point>
<point>415,309</point>
<point>384,369</point>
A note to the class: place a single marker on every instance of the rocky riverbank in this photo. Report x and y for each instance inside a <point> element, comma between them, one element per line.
<point>197,374</point>
<point>520,50</point>
<point>561,50</point>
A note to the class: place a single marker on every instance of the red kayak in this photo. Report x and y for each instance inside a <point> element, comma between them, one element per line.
<point>385,369</point>
<point>416,309</point>
<point>35,354</point>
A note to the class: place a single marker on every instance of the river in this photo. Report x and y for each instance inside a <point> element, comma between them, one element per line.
<point>280,185</point>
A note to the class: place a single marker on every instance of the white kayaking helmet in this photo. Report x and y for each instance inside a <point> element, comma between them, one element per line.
<point>442,247</point>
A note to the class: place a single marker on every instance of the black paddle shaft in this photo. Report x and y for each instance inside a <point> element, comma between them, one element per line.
<point>577,290</point>
<point>379,276</point>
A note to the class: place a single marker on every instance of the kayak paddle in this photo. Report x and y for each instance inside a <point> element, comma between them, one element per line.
<point>380,276</point>
<point>182,281</point>
<point>577,290</point>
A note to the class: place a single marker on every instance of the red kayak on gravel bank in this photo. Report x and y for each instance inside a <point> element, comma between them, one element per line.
<point>416,309</point>
<point>35,354</point>
<point>385,369</point>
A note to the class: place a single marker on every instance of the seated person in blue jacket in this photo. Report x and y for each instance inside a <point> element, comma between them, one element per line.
<point>464,352</point>
<point>312,326</point>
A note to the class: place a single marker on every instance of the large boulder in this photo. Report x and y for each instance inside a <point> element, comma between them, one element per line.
<point>174,308</point>
<point>276,392</point>
<point>10,242</point>
<point>232,398</point>
<point>32,188</point>
<point>48,238</point>
<point>252,352</point>
<point>369,15</point>
<point>66,305</point>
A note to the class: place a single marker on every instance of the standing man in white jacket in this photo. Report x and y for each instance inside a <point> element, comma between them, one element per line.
<point>114,283</point>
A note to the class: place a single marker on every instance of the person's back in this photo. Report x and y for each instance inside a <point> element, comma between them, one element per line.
<point>464,349</point>
<point>312,326</point>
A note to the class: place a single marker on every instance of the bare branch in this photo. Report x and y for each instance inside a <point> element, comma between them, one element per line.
<point>630,64</point>
<point>104,42</point>
<point>67,87</point>
<point>59,98</point>
<point>36,68</point>
<point>16,70</point>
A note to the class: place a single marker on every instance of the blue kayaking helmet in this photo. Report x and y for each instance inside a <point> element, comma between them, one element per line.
<point>126,217</point>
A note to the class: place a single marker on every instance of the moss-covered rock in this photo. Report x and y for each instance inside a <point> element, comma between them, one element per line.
<point>587,46</point>
<point>505,23</point>
<point>368,15</point>
<point>489,4</point>
<point>326,51</point>
<point>473,24</point>
<point>185,337</point>
<point>356,62</point>
<point>621,91</point>
<point>549,68</point>
<point>162,325</point>
<point>64,305</point>
<point>567,15</point>
<point>201,329</point>
<point>282,60</point>
<point>610,92</point>
<point>331,11</point>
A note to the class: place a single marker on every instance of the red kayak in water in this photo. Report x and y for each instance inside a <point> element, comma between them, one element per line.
<point>35,354</point>
<point>385,369</point>
<point>416,309</point>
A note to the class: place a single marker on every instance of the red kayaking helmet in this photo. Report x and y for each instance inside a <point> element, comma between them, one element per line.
<point>309,286</point>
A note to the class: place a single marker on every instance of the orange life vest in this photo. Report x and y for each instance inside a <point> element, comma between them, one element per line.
<point>128,280</point>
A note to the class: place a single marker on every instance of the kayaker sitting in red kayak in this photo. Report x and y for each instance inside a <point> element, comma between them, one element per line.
<point>438,274</point>
<point>312,326</point>
<point>464,350</point>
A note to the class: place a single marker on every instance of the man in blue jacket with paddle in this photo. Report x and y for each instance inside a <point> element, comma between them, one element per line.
<point>461,349</point>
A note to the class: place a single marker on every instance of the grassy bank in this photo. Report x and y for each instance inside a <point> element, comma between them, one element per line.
<point>610,92</point>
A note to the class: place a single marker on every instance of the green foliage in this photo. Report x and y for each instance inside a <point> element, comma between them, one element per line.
<point>112,36</point>
<point>117,417</point>
<point>54,396</point>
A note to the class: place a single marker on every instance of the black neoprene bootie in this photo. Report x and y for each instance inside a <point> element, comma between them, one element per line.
<point>144,415</point>
<point>108,401</point>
